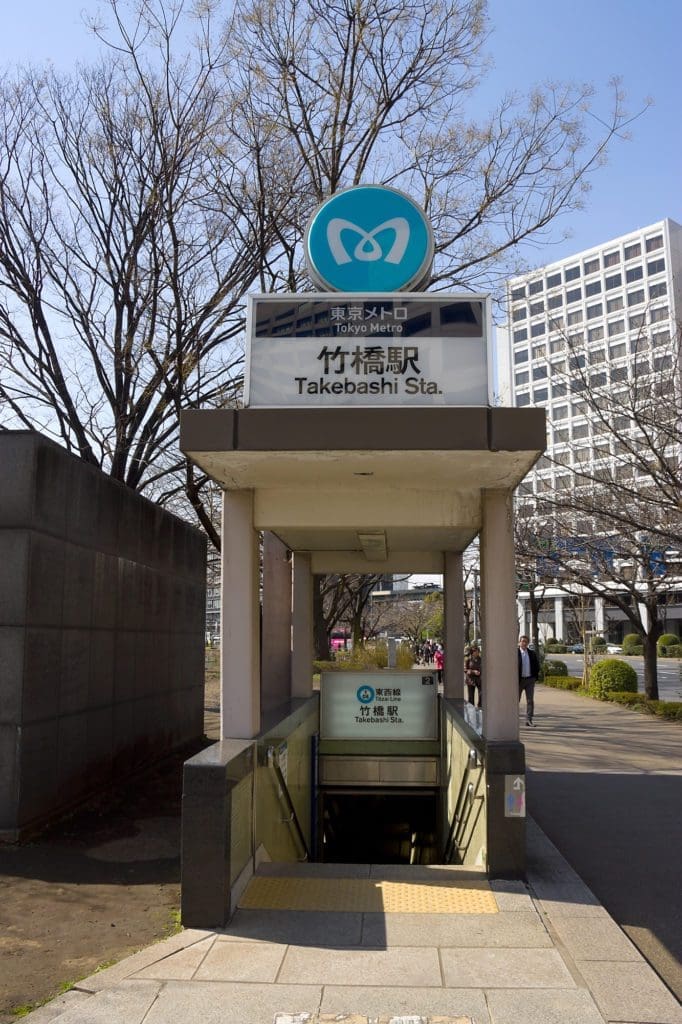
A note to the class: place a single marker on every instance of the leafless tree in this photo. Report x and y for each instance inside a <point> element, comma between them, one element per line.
<point>611,522</point>
<point>143,197</point>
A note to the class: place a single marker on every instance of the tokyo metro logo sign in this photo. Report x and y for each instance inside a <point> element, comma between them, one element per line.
<point>370,238</point>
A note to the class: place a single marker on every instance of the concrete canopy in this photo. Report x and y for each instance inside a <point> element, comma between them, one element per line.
<point>367,490</point>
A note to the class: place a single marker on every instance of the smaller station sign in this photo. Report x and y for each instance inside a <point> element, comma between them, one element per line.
<point>379,705</point>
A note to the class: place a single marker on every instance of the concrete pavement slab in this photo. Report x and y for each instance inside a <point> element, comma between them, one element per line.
<point>505,968</point>
<point>130,1002</point>
<point>68,1001</point>
<point>471,930</point>
<point>550,1006</point>
<point>213,1002</point>
<point>403,966</point>
<point>594,939</point>
<point>242,961</point>
<point>511,896</point>
<point>143,958</point>
<point>296,927</point>
<point>630,991</point>
<point>428,1001</point>
<point>180,966</point>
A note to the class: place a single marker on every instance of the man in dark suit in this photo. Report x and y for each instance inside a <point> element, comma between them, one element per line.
<point>529,670</point>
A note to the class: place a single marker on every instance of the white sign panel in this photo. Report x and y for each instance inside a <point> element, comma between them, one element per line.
<point>514,796</point>
<point>360,350</point>
<point>378,705</point>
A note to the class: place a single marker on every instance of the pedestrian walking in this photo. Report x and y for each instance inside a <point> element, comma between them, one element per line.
<point>529,670</point>
<point>439,662</point>
<point>473,668</point>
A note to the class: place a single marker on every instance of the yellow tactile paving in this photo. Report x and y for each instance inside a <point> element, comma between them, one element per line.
<point>367,895</point>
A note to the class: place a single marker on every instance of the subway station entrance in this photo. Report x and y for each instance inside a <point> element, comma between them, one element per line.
<point>316,491</point>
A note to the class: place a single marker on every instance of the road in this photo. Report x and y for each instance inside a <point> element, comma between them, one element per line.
<point>605,784</point>
<point>669,672</point>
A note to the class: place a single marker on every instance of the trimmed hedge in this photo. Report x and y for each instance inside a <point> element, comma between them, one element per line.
<point>612,674</point>
<point>555,648</point>
<point>555,668</point>
<point>673,651</point>
<point>563,682</point>
<point>667,640</point>
<point>631,641</point>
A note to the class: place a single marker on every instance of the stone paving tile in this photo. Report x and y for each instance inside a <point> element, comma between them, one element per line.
<point>593,938</point>
<point>241,961</point>
<point>312,869</point>
<point>371,1002</point>
<point>143,958</point>
<point>296,927</point>
<point>403,966</point>
<point>128,1002</point>
<point>224,1003</point>
<point>565,908</point>
<point>547,1006</point>
<point>511,896</point>
<point>474,930</point>
<point>630,991</point>
<point>59,1005</point>
<point>505,968</point>
<point>178,966</point>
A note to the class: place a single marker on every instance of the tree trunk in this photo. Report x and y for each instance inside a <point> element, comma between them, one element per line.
<point>650,664</point>
<point>320,634</point>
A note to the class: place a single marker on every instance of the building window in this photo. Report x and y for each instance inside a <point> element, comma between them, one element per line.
<point>560,436</point>
<point>641,367</point>
<point>615,281</point>
<point>619,373</point>
<point>523,400</point>
<point>617,351</point>
<point>655,266</point>
<point>555,301</point>
<point>611,259</point>
<point>636,322</point>
<point>634,298</point>
<point>521,356</point>
<point>537,330</point>
<point>521,378</point>
<point>576,340</point>
<point>534,287</point>
<point>538,351</point>
<point>519,314</point>
<point>559,389</point>
<point>598,380</point>
<point>518,293</point>
<point>614,304</point>
<point>662,338</point>
<point>540,395</point>
<point>597,357</point>
<point>576,317</point>
<point>574,295</point>
<point>615,327</point>
<point>560,412</point>
<point>656,291</point>
<point>553,280</point>
<point>663,363</point>
<point>580,430</point>
<point>656,315</point>
<point>557,345</point>
<point>539,372</point>
<point>593,311</point>
<point>634,274</point>
<point>652,244</point>
<point>521,334</point>
<point>595,334</point>
<point>593,288</point>
<point>571,274</point>
<point>591,266</point>
<point>577,362</point>
<point>537,307</point>
<point>632,250</point>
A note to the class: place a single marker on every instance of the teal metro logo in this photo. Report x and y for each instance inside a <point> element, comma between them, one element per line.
<point>370,238</point>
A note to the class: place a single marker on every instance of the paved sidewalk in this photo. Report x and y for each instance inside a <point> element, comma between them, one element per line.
<point>550,955</point>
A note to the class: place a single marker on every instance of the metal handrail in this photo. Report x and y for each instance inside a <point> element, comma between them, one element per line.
<point>465,799</point>
<point>273,761</point>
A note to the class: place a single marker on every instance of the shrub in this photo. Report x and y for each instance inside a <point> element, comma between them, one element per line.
<point>612,674</point>
<point>668,709</point>
<point>631,640</point>
<point>563,682</point>
<point>666,641</point>
<point>598,643</point>
<point>674,651</point>
<point>555,648</point>
<point>555,668</point>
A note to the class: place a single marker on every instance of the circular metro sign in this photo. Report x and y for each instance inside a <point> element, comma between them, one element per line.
<point>369,238</point>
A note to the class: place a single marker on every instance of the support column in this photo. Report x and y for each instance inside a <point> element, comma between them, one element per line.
<point>276,633</point>
<point>498,604</point>
<point>599,616</point>
<point>302,652</point>
<point>559,618</point>
<point>453,615</point>
<point>240,620</point>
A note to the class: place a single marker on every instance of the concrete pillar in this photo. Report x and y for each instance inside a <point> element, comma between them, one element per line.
<point>559,618</point>
<point>302,651</point>
<point>240,620</point>
<point>276,631</point>
<point>453,615</point>
<point>498,605</point>
<point>599,616</point>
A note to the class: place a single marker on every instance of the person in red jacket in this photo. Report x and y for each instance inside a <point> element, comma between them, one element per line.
<point>439,662</point>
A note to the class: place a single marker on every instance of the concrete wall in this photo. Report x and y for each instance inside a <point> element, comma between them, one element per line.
<point>102,603</point>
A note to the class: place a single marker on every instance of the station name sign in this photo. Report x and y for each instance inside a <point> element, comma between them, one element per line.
<point>393,349</point>
<point>385,705</point>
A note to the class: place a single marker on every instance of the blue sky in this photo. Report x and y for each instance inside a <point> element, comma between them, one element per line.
<point>531,41</point>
